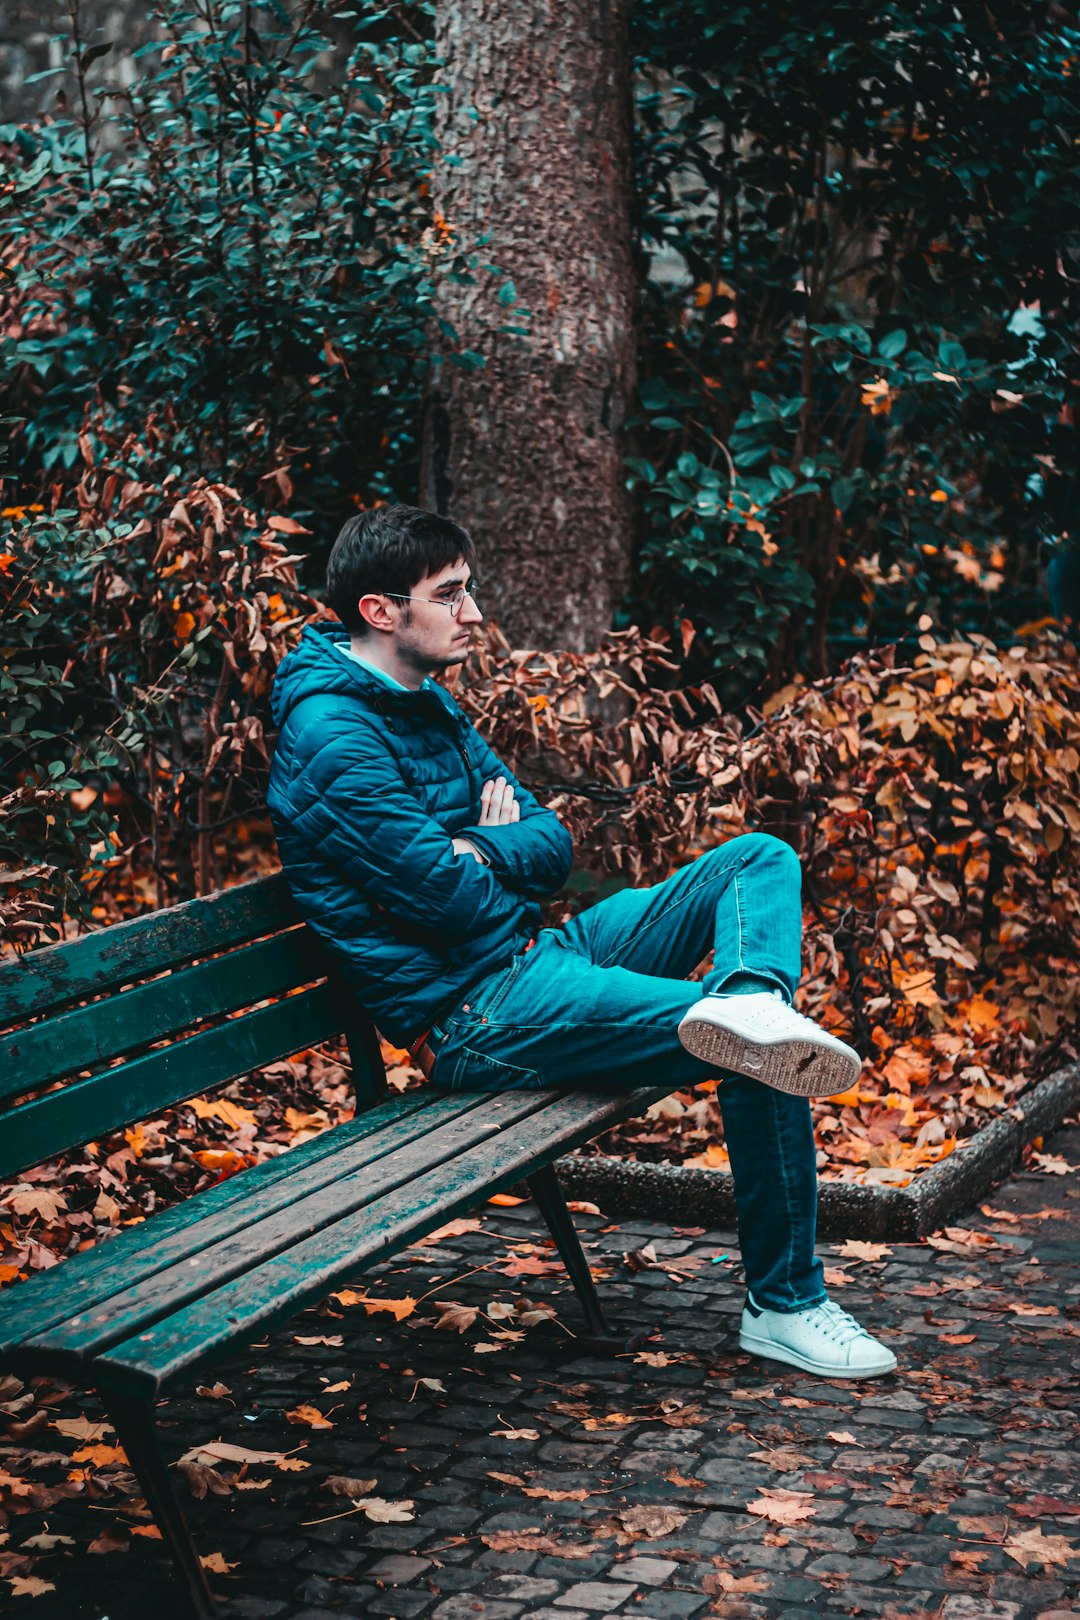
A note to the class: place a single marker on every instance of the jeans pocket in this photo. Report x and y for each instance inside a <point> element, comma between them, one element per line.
<point>479,1071</point>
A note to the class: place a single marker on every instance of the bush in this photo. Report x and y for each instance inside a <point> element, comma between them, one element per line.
<point>229,253</point>
<point>933,803</point>
<point>140,633</point>
<point>858,322</point>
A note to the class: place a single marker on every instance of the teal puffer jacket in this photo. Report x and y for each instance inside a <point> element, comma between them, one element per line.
<point>367,788</point>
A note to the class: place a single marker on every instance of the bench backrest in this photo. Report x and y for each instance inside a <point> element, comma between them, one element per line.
<point>113,1027</point>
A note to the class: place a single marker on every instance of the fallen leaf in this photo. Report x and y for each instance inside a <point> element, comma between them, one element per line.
<point>723,1581</point>
<point>229,1113</point>
<point>201,1478</point>
<point>650,1523</point>
<point>1034,1310</point>
<point>1037,1507</point>
<point>333,1341</point>
<point>384,1512</point>
<point>309,1415</point>
<point>781,1506</point>
<point>516,1434</point>
<point>785,1459</point>
<point>44,1542</point>
<point>110,1540</point>
<point>224,1451</point>
<point>44,1202</point>
<point>855,1249</point>
<point>505,1200</point>
<point>213,1392</point>
<point>580,1206</point>
<point>455,1318</point>
<point>99,1456</point>
<point>555,1496</point>
<point>398,1308</point>
<point>81,1428</point>
<point>29,1586</point>
<point>215,1563</point>
<point>643,1259</point>
<point>1032,1547</point>
<point>1052,1164</point>
<point>843,1437</point>
<point>458,1228</point>
<point>529,1265</point>
<point>534,1541</point>
<point>344,1485</point>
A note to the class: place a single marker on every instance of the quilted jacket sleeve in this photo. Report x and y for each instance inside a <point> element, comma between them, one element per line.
<point>533,855</point>
<point>353,805</point>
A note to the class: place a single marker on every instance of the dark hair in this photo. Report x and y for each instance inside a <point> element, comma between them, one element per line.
<point>391,549</point>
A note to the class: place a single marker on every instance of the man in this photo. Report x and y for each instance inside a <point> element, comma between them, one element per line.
<point>415,854</point>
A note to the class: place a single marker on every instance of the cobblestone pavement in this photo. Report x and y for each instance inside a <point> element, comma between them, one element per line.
<point>550,1482</point>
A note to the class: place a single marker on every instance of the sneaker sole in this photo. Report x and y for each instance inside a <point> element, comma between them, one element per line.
<point>777,1352</point>
<point>799,1067</point>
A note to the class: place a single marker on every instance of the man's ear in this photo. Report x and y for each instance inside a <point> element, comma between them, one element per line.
<point>376,611</point>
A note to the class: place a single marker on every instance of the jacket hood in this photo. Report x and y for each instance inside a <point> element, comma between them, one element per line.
<point>319,665</point>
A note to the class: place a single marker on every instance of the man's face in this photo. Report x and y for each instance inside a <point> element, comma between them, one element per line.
<point>426,634</point>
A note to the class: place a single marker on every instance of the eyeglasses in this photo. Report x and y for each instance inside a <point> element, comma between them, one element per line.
<point>453,601</point>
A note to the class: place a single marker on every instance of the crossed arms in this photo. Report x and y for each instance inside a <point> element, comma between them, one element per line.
<point>361,815</point>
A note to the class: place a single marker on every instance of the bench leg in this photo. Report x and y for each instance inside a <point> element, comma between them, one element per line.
<point>133,1421</point>
<point>546,1189</point>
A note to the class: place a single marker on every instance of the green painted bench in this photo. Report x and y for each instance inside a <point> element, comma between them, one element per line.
<point>99,1032</point>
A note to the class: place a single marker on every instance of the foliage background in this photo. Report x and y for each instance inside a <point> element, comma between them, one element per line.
<point>858,239</point>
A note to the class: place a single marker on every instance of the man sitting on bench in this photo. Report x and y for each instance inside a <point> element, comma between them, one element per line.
<point>415,854</point>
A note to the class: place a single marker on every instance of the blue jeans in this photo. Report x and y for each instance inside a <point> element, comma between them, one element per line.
<point>596,1004</point>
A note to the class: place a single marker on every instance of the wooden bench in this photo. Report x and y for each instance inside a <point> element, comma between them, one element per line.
<point>114,1027</point>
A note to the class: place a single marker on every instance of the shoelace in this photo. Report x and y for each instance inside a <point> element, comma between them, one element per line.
<point>837,1324</point>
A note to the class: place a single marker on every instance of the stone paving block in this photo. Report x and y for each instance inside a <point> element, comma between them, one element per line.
<point>468,1606</point>
<point>400,1604</point>
<point>396,1569</point>
<point>523,1588</point>
<point>969,1606</point>
<point>669,1603</point>
<point>595,1597</point>
<point>644,1571</point>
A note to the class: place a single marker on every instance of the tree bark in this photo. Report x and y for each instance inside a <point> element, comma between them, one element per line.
<point>527,452</point>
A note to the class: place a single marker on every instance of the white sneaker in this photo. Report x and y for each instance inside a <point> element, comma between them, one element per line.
<point>823,1339</point>
<point>760,1035</point>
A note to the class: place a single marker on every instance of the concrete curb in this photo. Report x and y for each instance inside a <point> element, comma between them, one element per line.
<point>693,1197</point>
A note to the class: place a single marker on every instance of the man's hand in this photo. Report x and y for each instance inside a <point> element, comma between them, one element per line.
<point>463,847</point>
<point>498,807</point>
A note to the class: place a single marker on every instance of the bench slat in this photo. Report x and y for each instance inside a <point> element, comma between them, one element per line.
<point>65,1043</point>
<point>372,1170</point>
<point>309,1270</point>
<point>45,979</point>
<point>126,1258</point>
<point>86,1109</point>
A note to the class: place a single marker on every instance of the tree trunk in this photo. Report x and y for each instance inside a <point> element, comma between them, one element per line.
<point>527,452</point>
